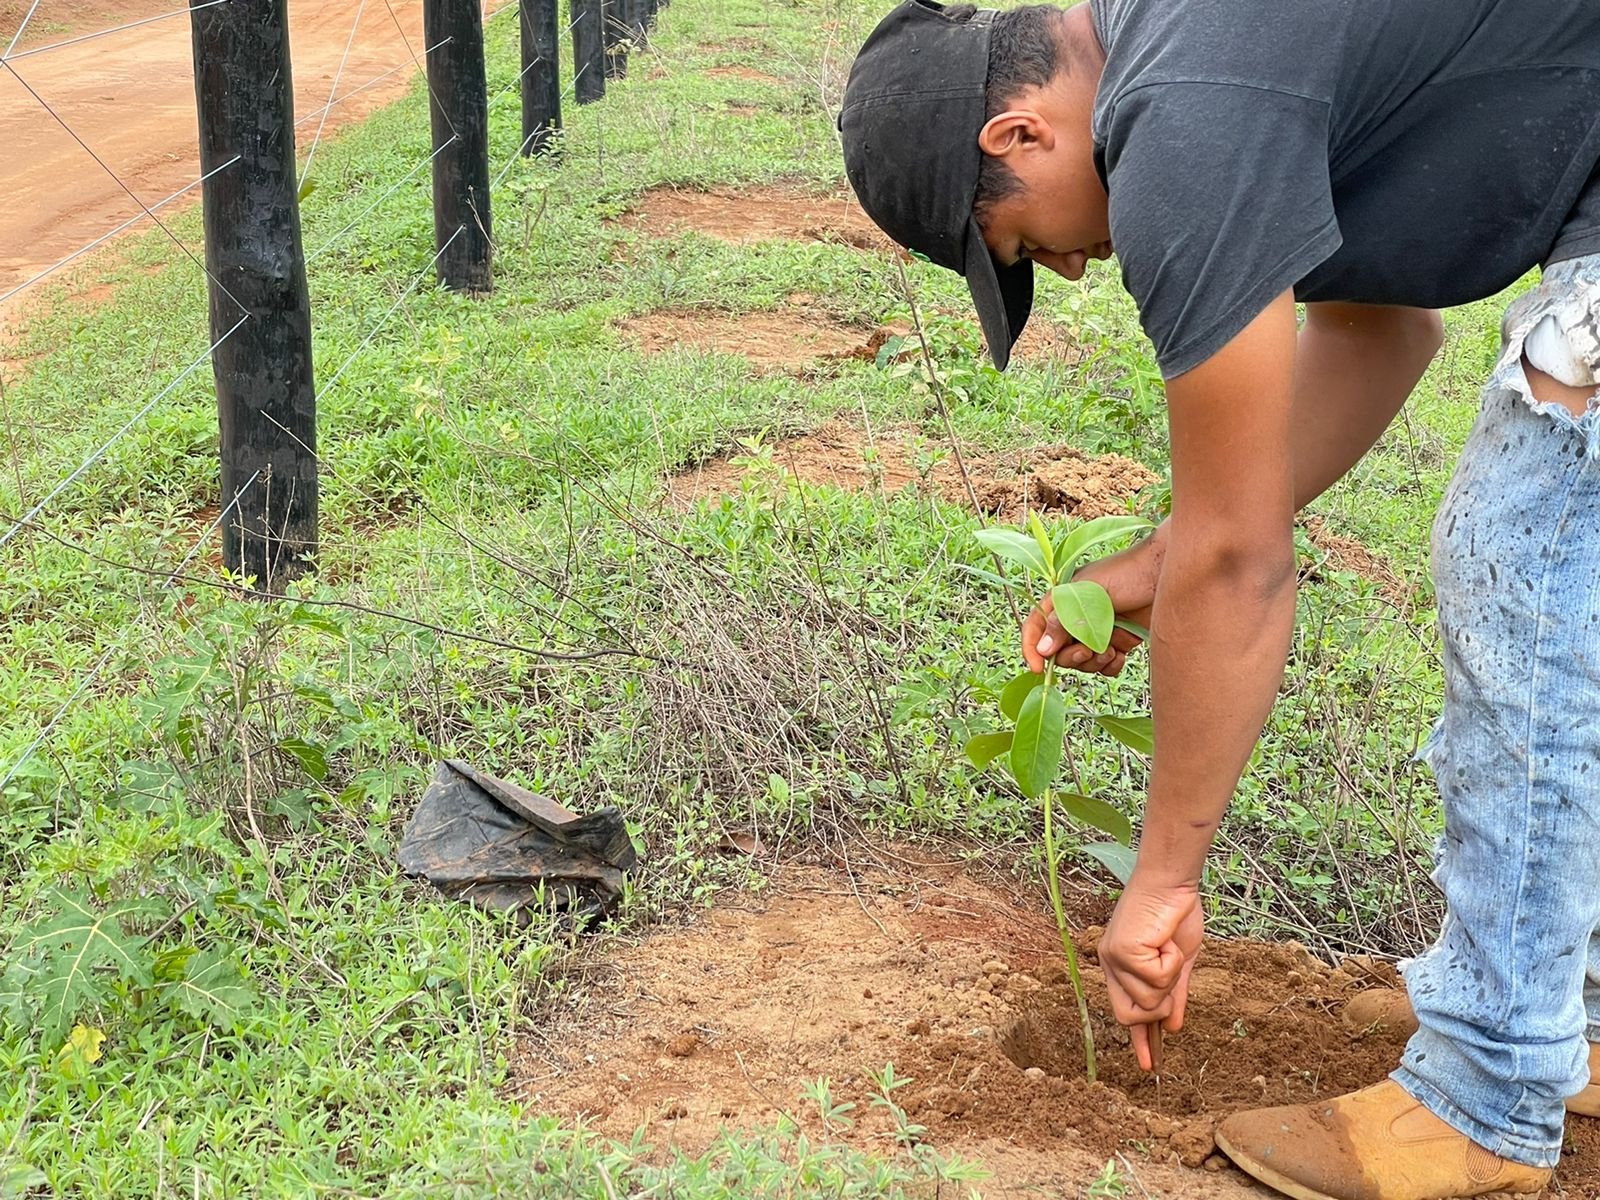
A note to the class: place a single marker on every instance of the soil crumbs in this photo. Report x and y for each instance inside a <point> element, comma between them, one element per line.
<point>758,215</point>
<point>785,339</point>
<point>957,983</point>
<point>1346,554</point>
<point>1050,478</point>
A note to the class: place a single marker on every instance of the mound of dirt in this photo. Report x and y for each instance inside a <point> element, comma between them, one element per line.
<point>957,983</point>
<point>1053,479</point>
<point>1347,554</point>
<point>745,74</point>
<point>760,215</point>
<point>786,339</point>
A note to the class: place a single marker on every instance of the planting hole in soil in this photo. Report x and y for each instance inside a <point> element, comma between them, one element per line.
<point>956,981</point>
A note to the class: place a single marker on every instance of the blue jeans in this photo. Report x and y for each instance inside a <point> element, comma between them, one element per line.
<point>1510,992</point>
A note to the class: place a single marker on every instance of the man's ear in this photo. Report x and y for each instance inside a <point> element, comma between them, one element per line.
<point>1014,132</point>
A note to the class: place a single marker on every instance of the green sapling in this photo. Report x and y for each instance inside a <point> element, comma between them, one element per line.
<point>1031,749</point>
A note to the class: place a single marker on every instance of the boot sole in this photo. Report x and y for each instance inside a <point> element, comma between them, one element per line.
<point>1280,1182</point>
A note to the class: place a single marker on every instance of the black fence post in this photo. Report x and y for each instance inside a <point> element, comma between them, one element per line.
<point>588,51</point>
<point>541,75</point>
<point>616,39</point>
<point>259,308</point>
<point>459,104</point>
<point>639,19</point>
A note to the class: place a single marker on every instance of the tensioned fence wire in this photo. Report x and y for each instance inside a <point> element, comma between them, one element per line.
<point>148,211</point>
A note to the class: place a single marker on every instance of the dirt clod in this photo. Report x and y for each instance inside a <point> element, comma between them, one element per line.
<point>1347,554</point>
<point>1380,1009</point>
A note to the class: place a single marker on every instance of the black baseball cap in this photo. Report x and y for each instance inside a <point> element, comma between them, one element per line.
<point>913,109</point>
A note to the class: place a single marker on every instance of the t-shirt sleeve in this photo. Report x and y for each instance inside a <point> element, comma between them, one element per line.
<point>1219,200</point>
<point>1580,233</point>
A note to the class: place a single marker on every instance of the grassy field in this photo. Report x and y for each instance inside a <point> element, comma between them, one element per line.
<point>282,1012</point>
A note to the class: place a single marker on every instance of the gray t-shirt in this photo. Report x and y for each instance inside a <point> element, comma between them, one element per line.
<point>1419,152</point>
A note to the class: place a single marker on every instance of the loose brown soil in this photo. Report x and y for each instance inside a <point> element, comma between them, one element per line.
<point>746,74</point>
<point>786,339</point>
<point>760,215</point>
<point>1347,554</point>
<point>1056,479</point>
<point>955,981</point>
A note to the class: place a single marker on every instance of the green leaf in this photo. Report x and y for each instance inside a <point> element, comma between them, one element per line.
<point>1117,859</point>
<point>213,991</point>
<point>75,943</point>
<point>312,759</point>
<point>1136,733</point>
<point>909,702</point>
<point>19,1177</point>
<point>1016,547</point>
<point>1041,535</point>
<point>18,986</point>
<point>1090,534</point>
<point>1085,612</point>
<point>310,617</point>
<point>986,747</point>
<point>1097,814</point>
<point>1036,746</point>
<point>1015,692</point>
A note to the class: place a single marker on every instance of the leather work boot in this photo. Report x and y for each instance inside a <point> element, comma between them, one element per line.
<point>1375,1144</point>
<point>1398,1014</point>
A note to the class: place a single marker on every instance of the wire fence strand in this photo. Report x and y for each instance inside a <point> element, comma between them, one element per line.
<point>117,644</point>
<point>105,447</point>
<point>105,33</point>
<point>334,90</point>
<point>160,224</point>
<point>105,237</point>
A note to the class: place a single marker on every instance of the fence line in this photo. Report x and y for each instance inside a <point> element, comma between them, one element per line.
<point>91,37</point>
<point>418,63</point>
<point>51,270</point>
<point>389,191</point>
<point>570,92</point>
<point>105,446</point>
<point>117,179</point>
<point>117,643</point>
<point>384,320</point>
<point>27,520</point>
<point>334,90</point>
<point>373,82</point>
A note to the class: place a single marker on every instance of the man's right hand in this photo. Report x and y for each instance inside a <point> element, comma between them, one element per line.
<point>1129,577</point>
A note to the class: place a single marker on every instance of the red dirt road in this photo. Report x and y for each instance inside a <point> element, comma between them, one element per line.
<point>130,97</point>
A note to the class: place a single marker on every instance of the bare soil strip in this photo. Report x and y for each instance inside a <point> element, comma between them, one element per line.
<point>955,979</point>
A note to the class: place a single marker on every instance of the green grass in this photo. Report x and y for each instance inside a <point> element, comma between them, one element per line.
<point>493,466</point>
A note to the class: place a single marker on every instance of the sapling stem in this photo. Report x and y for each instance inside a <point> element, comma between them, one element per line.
<point>1053,875</point>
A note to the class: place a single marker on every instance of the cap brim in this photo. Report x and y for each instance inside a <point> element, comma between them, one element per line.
<point>1003,296</point>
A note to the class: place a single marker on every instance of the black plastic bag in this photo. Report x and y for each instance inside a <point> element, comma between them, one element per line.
<point>503,848</point>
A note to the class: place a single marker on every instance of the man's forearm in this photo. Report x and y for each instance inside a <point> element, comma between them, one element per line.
<point>1209,707</point>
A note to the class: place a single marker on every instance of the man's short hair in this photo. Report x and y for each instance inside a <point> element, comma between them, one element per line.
<point>1026,50</point>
